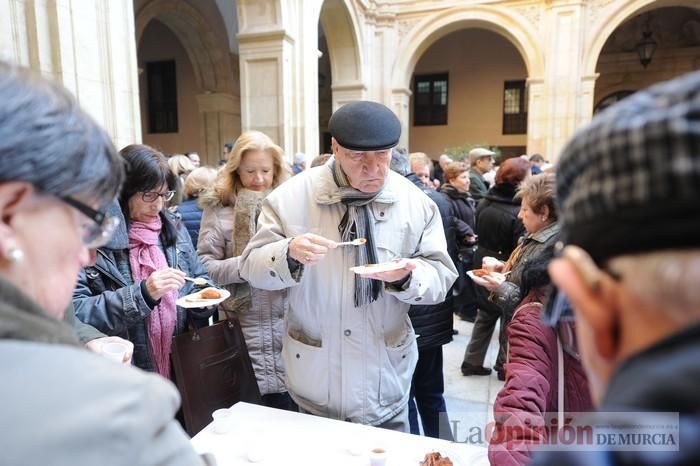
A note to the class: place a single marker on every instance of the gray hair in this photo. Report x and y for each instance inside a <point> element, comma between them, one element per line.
<point>666,280</point>
<point>399,162</point>
<point>48,141</point>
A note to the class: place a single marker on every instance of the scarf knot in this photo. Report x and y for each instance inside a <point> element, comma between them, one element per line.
<point>357,223</point>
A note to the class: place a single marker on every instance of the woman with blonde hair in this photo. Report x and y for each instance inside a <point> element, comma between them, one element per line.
<point>181,166</point>
<point>198,181</point>
<point>231,209</point>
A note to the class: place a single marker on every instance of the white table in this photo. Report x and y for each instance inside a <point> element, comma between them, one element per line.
<point>284,438</point>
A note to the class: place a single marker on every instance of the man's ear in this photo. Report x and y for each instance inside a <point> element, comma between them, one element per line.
<point>13,195</point>
<point>334,146</point>
<point>592,292</point>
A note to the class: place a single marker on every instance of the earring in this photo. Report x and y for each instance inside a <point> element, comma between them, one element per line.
<point>15,254</point>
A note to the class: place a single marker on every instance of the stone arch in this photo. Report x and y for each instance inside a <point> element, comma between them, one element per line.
<point>499,20</point>
<point>337,17</point>
<point>618,14</point>
<point>209,59</point>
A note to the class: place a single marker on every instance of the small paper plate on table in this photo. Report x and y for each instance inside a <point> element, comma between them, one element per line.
<point>196,299</point>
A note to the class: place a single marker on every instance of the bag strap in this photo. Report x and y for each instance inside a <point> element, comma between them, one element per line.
<point>195,330</point>
<point>560,383</point>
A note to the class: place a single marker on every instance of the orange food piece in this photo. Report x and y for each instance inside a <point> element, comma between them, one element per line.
<point>210,293</point>
<point>480,272</point>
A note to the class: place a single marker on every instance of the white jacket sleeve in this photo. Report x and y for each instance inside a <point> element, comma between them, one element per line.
<point>435,272</point>
<point>264,261</point>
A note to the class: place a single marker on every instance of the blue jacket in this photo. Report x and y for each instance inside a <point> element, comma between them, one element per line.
<point>112,303</point>
<point>191,216</point>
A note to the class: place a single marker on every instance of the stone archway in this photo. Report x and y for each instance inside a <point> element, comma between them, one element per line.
<point>342,36</point>
<point>341,70</point>
<point>219,108</point>
<point>501,21</point>
<point>617,14</point>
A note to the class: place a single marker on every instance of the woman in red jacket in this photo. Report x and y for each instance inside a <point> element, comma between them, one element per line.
<point>531,392</point>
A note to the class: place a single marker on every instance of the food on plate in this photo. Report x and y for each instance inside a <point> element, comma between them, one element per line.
<point>206,294</point>
<point>481,272</point>
<point>436,459</point>
<point>210,293</point>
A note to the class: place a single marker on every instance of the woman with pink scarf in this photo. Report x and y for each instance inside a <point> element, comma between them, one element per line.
<point>138,276</point>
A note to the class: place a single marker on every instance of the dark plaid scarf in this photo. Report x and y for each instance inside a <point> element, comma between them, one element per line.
<point>357,223</point>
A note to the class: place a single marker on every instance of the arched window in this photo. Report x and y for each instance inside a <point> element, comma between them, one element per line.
<point>611,99</point>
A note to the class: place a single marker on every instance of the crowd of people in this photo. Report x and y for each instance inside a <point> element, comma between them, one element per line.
<point>591,267</point>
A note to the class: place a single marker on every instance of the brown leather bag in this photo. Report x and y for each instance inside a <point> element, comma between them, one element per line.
<point>213,371</point>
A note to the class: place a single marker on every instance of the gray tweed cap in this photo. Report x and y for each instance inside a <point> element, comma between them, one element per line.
<point>364,125</point>
<point>629,181</point>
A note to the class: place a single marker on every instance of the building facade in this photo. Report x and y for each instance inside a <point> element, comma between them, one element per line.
<point>192,74</point>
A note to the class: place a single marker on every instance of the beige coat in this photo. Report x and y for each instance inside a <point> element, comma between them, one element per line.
<point>263,321</point>
<point>345,362</point>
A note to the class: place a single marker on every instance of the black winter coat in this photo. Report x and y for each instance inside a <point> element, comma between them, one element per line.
<point>497,224</point>
<point>433,323</point>
<point>462,212</point>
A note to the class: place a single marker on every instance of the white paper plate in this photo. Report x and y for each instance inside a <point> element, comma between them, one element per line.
<point>481,282</point>
<point>375,268</point>
<point>187,302</point>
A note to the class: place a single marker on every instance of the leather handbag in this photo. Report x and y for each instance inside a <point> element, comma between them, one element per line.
<point>212,371</point>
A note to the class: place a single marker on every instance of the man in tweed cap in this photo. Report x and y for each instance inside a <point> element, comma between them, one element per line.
<point>628,185</point>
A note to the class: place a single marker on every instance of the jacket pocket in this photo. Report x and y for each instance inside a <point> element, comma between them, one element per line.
<point>398,364</point>
<point>306,369</point>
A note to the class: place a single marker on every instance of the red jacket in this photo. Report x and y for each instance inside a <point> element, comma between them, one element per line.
<point>531,387</point>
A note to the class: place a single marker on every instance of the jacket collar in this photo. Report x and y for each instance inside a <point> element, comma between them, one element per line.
<point>544,234</point>
<point>120,238</point>
<point>23,319</point>
<point>674,361</point>
<point>326,192</point>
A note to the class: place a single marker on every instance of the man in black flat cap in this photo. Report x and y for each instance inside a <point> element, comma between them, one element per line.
<point>628,186</point>
<point>349,348</point>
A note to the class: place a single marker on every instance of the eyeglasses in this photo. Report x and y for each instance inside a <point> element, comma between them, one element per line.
<point>151,196</point>
<point>100,231</point>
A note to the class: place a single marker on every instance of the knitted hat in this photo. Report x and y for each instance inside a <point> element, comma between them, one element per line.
<point>629,181</point>
<point>365,126</point>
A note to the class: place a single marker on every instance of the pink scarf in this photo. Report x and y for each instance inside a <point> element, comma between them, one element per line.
<point>145,257</point>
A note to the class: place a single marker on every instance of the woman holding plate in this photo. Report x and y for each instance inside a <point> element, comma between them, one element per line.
<point>132,289</point>
<point>231,210</point>
<point>538,213</point>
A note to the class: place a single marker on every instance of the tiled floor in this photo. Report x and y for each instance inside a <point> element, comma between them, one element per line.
<point>469,399</point>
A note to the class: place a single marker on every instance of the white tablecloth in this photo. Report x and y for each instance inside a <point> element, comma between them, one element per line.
<point>283,438</point>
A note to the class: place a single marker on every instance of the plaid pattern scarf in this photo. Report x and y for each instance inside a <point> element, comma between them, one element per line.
<point>357,223</point>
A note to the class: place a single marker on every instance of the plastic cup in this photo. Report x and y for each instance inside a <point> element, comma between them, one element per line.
<point>223,421</point>
<point>490,263</point>
<point>377,456</point>
<point>115,351</point>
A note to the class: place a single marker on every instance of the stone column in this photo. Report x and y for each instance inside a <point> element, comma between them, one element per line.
<point>278,52</point>
<point>89,47</point>
<point>563,73</point>
<point>400,100</point>
<point>536,117</point>
<point>218,122</point>
<point>586,99</point>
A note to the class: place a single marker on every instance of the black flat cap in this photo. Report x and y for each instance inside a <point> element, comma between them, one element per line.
<point>364,125</point>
